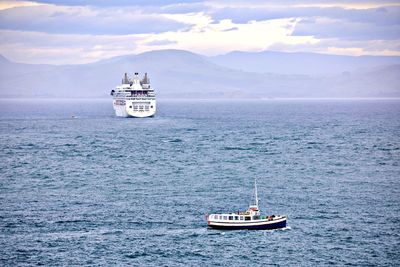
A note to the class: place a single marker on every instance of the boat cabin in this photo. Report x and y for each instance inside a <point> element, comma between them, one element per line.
<point>235,217</point>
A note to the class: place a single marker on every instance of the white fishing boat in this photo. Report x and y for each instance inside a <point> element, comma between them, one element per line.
<point>251,219</point>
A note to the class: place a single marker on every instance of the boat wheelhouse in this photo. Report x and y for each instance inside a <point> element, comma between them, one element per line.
<point>251,219</point>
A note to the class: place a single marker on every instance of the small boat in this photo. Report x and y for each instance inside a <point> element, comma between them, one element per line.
<point>251,219</point>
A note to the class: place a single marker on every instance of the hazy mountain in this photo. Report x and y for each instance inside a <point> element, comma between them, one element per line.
<point>3,59</point>
<point>182,74</point>
<point>300,63</point>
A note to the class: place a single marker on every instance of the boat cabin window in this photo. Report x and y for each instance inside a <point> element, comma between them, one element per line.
<point>225,217</point>
<point>230,218</point>
<point>247,218</point>
<point>255,218</point>
<point>236,218</point>
<point>241,218</point>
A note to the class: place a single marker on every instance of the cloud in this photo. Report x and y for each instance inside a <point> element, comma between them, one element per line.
<point>323,28</point>
<point>379,16</point>
<point>6,4</point>
<point>231,29</point>
<point>36,47</point>
<point>211,39</point>
<point>80,31</point>
<point>224,36</point>
<point>160,42</point>
<point>182,8</point>
<point>357,4</point>
<point>114,3</point>
<point>382,23</point>
<point>86,20</point>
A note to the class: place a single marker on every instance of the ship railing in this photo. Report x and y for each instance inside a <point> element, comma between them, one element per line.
<point>140,98</point>
<point>143,95</point>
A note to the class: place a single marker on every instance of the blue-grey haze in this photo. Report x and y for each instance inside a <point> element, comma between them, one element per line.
<point>94,189</point>
<point>182,74</point>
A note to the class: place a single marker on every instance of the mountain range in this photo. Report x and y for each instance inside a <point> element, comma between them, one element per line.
<point>182,74</point>
<point>301,63</point>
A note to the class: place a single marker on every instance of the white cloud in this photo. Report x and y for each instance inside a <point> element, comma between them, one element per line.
<point>113,3</point>
<point>323,28</point>
<point>37,47</point>
<point>12,4</point>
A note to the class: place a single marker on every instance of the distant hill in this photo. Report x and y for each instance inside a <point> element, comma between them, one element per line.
<point>182,74</point>
<point>300,63</point>
<point>3,59</point>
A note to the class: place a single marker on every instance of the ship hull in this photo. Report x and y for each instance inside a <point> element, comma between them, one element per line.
<point>262,225</point>
<point>134,108</point>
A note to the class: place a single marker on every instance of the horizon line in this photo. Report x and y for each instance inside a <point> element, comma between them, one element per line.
<point>213,99</point>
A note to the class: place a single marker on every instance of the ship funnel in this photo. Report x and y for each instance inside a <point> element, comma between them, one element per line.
<point>126,79</point>
<point>146,79</point>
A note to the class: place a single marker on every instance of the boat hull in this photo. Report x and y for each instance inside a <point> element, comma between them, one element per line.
<point>266,225</point>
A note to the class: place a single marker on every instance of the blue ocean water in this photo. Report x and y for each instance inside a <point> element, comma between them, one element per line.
<point>82,187</point>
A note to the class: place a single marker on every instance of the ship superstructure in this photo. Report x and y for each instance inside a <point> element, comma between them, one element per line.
<point>134,97</point>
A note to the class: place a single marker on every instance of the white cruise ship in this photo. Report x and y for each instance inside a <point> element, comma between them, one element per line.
<point>134,97</point>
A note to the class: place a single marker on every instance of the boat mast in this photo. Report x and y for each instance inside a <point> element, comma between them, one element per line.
<point>255,192</point>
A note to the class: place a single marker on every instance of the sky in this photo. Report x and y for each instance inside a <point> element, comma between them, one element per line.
<point>82,31</point>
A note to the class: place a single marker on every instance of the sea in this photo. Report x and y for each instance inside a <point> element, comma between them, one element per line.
<point>81,187</point>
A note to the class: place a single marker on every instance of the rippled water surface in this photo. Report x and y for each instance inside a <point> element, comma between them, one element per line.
<point>94,189</point>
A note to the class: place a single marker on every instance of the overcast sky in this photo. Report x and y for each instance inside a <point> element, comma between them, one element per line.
<point>80,31</point>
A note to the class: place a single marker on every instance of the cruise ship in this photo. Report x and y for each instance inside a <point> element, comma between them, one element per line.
<point>134,97</point>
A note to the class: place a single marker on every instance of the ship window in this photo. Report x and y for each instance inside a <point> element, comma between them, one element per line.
<point>151,106</point>
<point>230,218</point>
<point>225,217</point>
<point>130,106</point>
<point>255,218</point>
<point>236,218</point>
<point>247,218</point>
<point>241,218</point>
